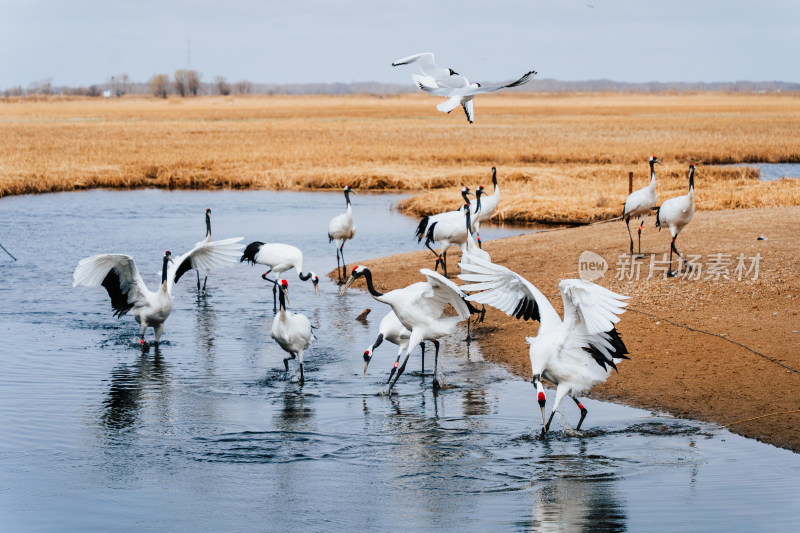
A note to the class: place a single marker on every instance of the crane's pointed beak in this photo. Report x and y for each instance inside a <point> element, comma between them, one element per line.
<point>285,292</point>
<point>367,359</point>
<point>347,284</point>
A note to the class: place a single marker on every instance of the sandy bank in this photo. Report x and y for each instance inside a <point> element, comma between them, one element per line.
<point>748,291</point>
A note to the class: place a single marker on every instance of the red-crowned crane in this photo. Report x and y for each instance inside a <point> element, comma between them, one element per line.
<point>292,331</point>
<point>341,229</point>
<point>420,307</point>
<point>279,258</point>
<point>675,213</point>
<point>576,353</point>
<point>118,274</point>
<point>640,203</point>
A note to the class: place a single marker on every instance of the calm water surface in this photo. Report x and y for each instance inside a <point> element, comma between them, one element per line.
<point>209,433</point>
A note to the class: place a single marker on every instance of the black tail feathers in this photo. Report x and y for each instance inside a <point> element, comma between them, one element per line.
<point>250,252</point>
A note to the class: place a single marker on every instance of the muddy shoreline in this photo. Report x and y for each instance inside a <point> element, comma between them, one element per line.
<point>677,330</point>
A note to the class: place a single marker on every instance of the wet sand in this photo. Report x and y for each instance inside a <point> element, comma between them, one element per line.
<point>673,369</point>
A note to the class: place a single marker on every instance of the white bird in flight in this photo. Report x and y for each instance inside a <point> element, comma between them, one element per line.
<point>575,354</point>
<point>460,91</point>
<point>432,73</point>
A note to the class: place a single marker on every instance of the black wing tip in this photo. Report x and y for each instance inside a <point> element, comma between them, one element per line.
<point>183,268</point>
<point>618,350</point>
<point>250,252</point>
<point>119,299</point>
<point>429,236</point>
<point>419,233</point>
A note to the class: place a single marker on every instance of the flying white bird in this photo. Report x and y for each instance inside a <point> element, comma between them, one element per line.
<point>118,274</point>
<point>392,330</point>
<point>279,258</point>
<point>292,331</point>
<point>675,213</point>
<point>431,72</point>
<point>485,207</point>
<point>641,202</point>
<point>420,307</point>
<point>575,354</point>
<point>460,91</point>
<point>341,229</point>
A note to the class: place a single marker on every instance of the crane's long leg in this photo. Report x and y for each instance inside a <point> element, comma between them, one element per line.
<point>422,345</point>
<point>560,393</point>
<point>672,273</point>
<point>274,290</point>
<point>641,225</point>
<point>300,358</point>
<point>394,366</point>
<point>344,264</point>
<point>444,263</point>
<point>205,280</point>
<point>198,279</point>
<point>436,366</point>
<point>338,268</point>
<point>628,223</point>
<point>583,412</point>
<point>415,339</point>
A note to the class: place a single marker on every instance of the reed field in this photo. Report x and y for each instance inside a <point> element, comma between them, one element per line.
<point>560,157</point>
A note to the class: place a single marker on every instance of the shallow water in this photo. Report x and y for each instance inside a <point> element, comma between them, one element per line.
<point>774,171</point>
<point>209,433</point>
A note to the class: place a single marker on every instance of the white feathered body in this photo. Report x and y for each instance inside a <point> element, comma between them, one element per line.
<point>129,294</point>
<point>676,212</point>
<point>418,309</point>
<point>341,227</point>
<point>279,257</point>
<point>450,229</point>
<point>394,331</point>
<point>639,203</point>
<point>292,332</point>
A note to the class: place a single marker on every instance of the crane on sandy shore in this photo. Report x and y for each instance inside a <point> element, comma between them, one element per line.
<point>675,213</point>
<point>640,203</point>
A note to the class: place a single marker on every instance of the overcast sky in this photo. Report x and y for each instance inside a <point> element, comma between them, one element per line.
<point>82,42</point>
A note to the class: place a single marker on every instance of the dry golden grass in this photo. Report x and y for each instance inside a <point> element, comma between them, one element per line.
<point>558,156</point>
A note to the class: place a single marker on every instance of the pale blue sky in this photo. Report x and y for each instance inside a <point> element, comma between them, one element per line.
<point>80,42</point>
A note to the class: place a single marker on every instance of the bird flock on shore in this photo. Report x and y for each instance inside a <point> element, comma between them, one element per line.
<point>574,353</point>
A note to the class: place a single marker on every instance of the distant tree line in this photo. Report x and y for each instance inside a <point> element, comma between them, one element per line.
<point>188,83</point>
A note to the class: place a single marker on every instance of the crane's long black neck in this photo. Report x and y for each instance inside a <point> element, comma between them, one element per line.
<point>208,225</point>
<point>347,197</point>
<point>691,179</point>
<point>281,299</point>
<point>304,277</point>
<point>164,268</point>
<point>469,225</point>
<point>477,203</point>
<point>370,286</point>
<point>652,171</point>
<point>494,177</point>
<point>464,196</point>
